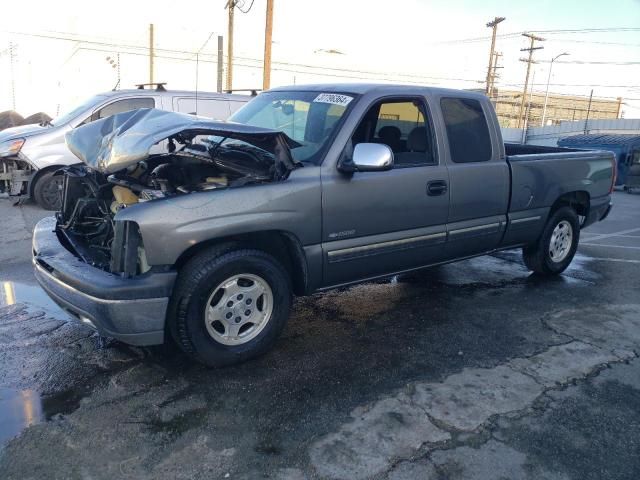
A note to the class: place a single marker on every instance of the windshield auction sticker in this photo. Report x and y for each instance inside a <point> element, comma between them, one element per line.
<point>333,98</point>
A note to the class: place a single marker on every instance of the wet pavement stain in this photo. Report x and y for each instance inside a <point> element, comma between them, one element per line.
<point>19,409</point>
<point>12,293</point>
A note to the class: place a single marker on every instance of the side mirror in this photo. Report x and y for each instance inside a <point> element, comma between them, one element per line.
<point>369,157</point>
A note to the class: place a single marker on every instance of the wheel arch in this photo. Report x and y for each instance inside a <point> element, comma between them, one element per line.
<point>38,175</point>
<point>282,245</point>
<point>579,200</point>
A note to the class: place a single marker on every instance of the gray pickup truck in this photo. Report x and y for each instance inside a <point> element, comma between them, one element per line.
<point>305,189</point>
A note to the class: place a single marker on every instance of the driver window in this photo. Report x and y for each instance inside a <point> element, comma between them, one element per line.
<point>401,125</point>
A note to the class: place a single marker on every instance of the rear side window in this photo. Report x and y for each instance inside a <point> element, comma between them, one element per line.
<point>124,106</point>
<point>467,130</point>
<point>217,109</point>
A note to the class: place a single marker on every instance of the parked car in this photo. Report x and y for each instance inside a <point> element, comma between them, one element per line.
<point>307,189</point>
<point>30,154</point>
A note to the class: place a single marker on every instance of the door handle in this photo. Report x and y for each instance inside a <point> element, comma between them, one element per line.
<point>436,187</point>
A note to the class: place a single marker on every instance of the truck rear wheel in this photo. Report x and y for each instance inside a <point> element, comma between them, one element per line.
<point>229,305</point>
<point>554,250</point>
<point>47,190</point>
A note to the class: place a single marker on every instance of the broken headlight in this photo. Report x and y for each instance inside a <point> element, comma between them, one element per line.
<point>11,147</point>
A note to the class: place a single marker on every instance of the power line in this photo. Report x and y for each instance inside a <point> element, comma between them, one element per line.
<point>590,62</point>
<point>334,72</point>
<point>546,32</point>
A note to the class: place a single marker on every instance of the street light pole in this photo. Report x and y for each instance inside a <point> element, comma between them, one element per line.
<point>546,95</point>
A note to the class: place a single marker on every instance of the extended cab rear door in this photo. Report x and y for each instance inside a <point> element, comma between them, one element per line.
<point>376,223</point>
<point>479,178</point>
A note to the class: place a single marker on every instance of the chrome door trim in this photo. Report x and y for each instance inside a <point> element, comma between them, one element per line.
<point>525,220</point>
<point>487,226</point>
<point>391,246</point>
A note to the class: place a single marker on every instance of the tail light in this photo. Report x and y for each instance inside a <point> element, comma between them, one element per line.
<point>614,177</point>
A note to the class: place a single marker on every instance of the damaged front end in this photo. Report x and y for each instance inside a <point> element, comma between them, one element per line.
<point>193,156</point>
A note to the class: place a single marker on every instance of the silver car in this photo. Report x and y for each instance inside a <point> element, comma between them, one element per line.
<point>30,154</point>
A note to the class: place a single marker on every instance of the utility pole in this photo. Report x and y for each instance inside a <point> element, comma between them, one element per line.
<point>151,52</point>
<point>231,6</point>
<point>268,31</point>
<point>13,76</point>
<point>619,108</point>
<point>493,24</point>
<point>532,39</point>
<point>494,75</point>
<point>220,68</point>
<point>586,121</point>
<point>527,114</point>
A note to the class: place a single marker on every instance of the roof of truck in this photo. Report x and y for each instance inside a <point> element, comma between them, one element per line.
<point>363,88</point>
<point>601,139</point>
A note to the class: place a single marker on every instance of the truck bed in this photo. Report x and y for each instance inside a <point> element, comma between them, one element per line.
<point>541,175</point>
<point>513,149</point>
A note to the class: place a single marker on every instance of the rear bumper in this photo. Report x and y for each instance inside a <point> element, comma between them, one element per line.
<point>598,210</point>
<point>132,310</point>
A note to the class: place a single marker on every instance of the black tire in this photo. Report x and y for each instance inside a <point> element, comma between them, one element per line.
<point>537,257</point>
<point>47,192</point>
<point>196,282</point>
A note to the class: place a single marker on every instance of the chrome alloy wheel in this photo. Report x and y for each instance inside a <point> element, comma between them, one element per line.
<point>561,240</point>
<point>238,309</point>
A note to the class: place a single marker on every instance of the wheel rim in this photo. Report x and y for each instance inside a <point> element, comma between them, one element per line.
<point>561,240</point>
<point>238,309</point>
<point>51,192</point>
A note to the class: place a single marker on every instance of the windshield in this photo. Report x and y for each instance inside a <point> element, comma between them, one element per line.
<point>309,118</point>
<point>83,107</point>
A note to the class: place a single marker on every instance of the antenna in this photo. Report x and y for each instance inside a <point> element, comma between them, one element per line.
<point>198,65</point>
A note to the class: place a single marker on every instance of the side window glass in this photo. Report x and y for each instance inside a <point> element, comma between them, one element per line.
<point>467,130</point>
<point>123,105</point>
<point>205,107</point>
<point>401,125</point>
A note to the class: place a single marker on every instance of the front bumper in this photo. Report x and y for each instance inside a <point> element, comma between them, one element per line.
<point>132,310</point>
<point>16,174</point>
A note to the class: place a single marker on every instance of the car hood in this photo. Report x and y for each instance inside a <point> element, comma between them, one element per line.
<point>124,139</point>
<point>22,131</point>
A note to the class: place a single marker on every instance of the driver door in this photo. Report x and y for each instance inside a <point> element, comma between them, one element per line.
<point>376,223</point>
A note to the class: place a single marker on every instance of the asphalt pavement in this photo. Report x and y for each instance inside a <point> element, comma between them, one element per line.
<point>473,370</point>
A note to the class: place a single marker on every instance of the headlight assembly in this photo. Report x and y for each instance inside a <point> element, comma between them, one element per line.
<point>11,147</point>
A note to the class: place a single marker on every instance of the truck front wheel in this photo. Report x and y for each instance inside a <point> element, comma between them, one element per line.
<point>47,190</point>
<point>229,305</point>
<point>554,250</point>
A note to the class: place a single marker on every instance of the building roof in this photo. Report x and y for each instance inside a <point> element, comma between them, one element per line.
<point>628,140</point>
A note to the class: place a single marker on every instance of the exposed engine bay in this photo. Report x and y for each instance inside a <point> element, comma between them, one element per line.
<point>195,161</point>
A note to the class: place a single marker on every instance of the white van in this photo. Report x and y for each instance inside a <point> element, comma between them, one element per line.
<point>30,154</point>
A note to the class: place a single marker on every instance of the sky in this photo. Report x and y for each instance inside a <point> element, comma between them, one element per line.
<point>60,48</point>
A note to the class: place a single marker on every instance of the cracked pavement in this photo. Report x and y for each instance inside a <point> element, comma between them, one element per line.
<point>474,370</point>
